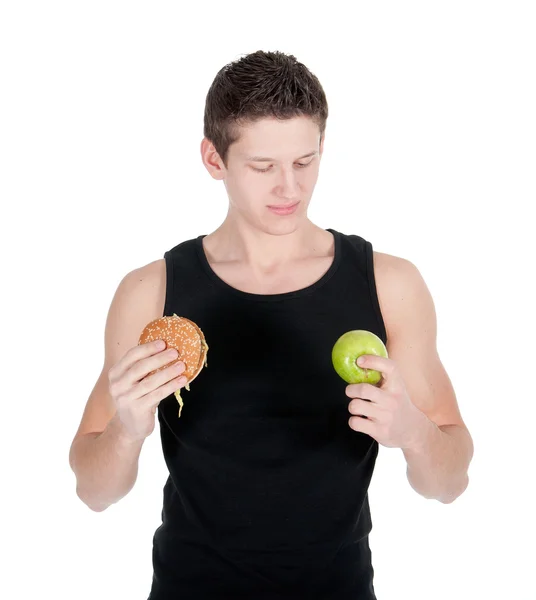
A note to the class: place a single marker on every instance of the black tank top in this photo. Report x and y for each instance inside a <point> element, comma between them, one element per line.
<point>267,490</point>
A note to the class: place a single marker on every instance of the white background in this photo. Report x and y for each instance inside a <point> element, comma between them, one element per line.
<point>430,154</point>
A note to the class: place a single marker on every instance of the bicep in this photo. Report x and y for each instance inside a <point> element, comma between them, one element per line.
<point>412,343</point>
<point>427,381</point>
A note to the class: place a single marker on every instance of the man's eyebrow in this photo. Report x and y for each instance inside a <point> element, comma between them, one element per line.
<point>265,159</point>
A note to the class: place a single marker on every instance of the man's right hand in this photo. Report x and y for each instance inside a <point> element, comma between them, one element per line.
<point>135,395</point>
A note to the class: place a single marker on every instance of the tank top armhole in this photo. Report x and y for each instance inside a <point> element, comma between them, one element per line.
<point>373,290</point>
<point>169,284</point>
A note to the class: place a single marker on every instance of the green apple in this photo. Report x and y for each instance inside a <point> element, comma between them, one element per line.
<point>349,347</point>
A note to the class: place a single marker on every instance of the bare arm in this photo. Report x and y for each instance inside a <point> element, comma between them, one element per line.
<point>438,462</point>
<point>438,467</point>
<point>105,464</point>
<point>105,450</point>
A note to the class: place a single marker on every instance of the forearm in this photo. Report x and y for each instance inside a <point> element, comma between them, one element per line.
<point>106,466</point>
<point>437,467</point>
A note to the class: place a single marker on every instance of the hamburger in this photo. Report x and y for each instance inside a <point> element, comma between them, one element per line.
<point>187,338</point>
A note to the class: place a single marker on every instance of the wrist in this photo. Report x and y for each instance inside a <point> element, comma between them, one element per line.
<point>123,436</point>
<point>424,432</point>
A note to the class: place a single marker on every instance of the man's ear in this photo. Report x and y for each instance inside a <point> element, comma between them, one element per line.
<point>321,149</point>
<point>211,159</point>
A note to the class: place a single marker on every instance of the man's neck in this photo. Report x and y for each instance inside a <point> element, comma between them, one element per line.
<point>264,253</point>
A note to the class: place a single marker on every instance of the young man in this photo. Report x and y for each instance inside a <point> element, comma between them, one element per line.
<point>272,457</point>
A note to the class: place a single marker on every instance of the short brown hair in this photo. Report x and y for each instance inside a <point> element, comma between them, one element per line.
<point>260,85</point>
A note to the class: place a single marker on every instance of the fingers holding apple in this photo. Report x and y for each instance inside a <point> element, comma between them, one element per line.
<point>384,412</point>
<point>366,400</point>
<point>361,407</point>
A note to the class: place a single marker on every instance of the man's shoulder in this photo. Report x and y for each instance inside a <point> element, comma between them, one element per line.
<point>397,279</point>
<point>148,275</point>
<point>144,288</point>
<point>393,269</point>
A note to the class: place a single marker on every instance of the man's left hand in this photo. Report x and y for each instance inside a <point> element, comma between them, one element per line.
<point>392,418</point>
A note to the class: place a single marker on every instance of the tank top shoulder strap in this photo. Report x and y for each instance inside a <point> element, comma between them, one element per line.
<point>358,254</point>
<point>184,276</point>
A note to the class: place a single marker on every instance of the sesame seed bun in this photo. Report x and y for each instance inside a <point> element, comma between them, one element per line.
<point>185,336</point>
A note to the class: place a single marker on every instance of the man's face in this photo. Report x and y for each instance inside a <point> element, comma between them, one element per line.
<point>288,175</point>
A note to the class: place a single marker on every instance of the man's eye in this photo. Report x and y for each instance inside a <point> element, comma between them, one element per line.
<point>300,165</point>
